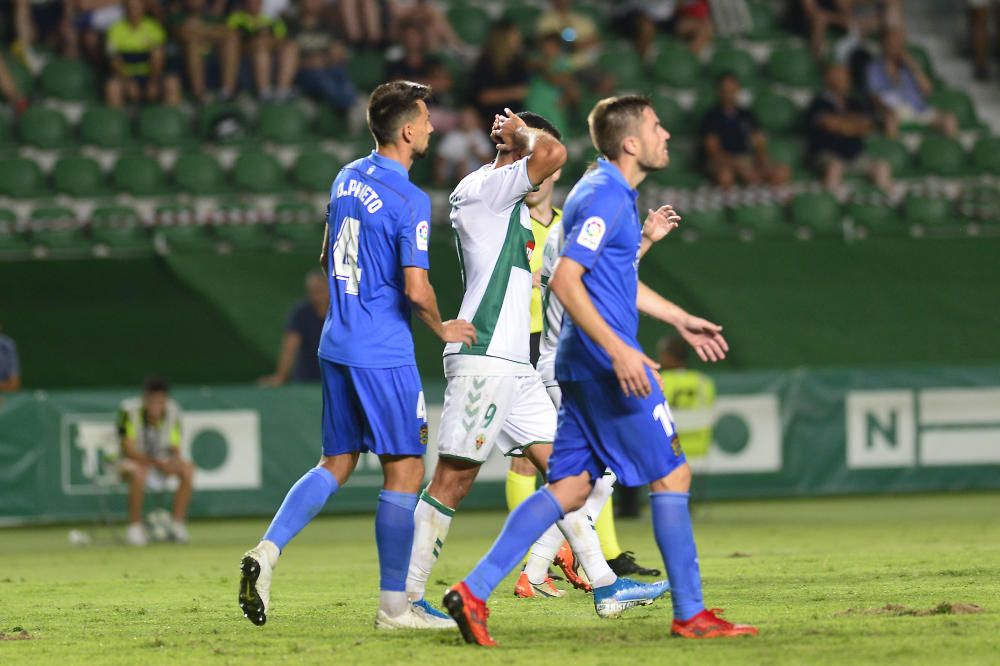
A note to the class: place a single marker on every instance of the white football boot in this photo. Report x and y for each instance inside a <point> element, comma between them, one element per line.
<point>256,569</point>
<point>414,617</point>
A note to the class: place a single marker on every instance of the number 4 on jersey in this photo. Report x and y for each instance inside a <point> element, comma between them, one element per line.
<point>345,255</point>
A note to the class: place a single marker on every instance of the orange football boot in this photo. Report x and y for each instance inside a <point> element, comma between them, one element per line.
<point>525,589</point>
<point>708,624</point>
<point>566,561</point>
<point>470,613</point>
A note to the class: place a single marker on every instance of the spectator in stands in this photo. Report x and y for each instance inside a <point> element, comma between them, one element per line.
<point>500,77</point>
<point>734,147</point>
<point>361,21</point>
<point>578,31</point>
<point>462,150</point>
<point>135,47</point>
<point>642,20</point>
<point>9,90</point>
<point>900,88</point>
<point>149,431</point>
<point>322,60</point>
<point>434,23</point>
<point>554,88</point>
<point>200,30</point>
<point>297,360</point>
<point>837,125</point>
<point>10,365</point>
<point>93,18</point>
<point>42,22</point>
<point>690,394</point>
<point>262,38</point>
<point>814,17</point>
<point>420,66</point>
<point>979,35</point>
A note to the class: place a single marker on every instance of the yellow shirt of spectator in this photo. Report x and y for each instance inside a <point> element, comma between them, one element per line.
<point>541,234</point>
<point>251,25</point>
<point>691,396</point>
<point>135,44</point>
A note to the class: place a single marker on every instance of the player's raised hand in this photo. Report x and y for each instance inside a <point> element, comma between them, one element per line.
<point>705,337</point>
<point>458,330</point>
<point>630,366</point>
<point>504,129</point>
<point>660,222</point>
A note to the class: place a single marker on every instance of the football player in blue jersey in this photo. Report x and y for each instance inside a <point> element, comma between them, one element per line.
<point>613,412</point>
<point>375,258</point>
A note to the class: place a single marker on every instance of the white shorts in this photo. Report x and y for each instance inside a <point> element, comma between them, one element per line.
<point>479,411</point>
<point>555,395</point>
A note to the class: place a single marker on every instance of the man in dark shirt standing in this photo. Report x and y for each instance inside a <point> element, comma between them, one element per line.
<point>735,149</point>
<point>297,360</point>
<point>837,126</point>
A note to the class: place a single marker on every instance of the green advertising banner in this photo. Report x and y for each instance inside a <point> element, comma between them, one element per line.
<point>774,435</point>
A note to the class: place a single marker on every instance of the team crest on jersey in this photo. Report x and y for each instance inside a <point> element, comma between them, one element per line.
<point>529,249</point>
<point>423,234</point>
<point>591,233</point>
<point>423,435</point>
<point>675,444</point>
<point>480,440</point>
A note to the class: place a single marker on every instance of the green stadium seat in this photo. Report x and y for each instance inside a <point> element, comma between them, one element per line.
<point>624,63</point>
<point>776,113</point>
<point>766,25</point>
<point>305,235</point>
<point>735,61</point>
<point>105,127</point>
<point>224,123</point>
<point>959,103</point>
<point>942,156</point>
<point>69,79</point>
<point>329,123</point>
<point>677,67</point>
<point>107,218</point>
<point>524,16</point>
<point>21,178</point>
<point>8,219</point>
<point>43,128</point>
<point>711,223</point>
<point>986,155</point>
<point>471,23</point>
<point>258,173</point>
<point>790,151</point>
<point>794,66</point>
<point>766,220</point>
<point>187,237</point>
<point>292,212</point>
<point>981,204</point>
<point>11,241</point>
<point>367,69</point>
<point>199,174</point>
<point>246,236</point>
<point>120,228</point>
<point>79,177</point>
<point>22,77</point>
<point>672,117</point>
<point>164,127</point>
<point>315,171</point>
<point>893,152</point>
<point>877,218</point>
<point>139,175</point>
<point>282,123</point>
<point>817,211</point>
<point>927,211</point>
<point>57,215</point>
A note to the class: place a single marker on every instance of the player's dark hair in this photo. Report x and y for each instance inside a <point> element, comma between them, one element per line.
<point>614,118</point>
<point>155,384</point>
<point>535,121</point>
<point>391,105</point>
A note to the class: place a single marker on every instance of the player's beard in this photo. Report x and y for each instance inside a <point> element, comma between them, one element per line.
<point>650,165</point>
<point>420,153</point>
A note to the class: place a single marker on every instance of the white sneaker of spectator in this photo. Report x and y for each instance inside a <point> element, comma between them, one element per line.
<point>136,535</point>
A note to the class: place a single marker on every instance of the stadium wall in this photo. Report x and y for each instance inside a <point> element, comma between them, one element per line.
<point>776,434</point>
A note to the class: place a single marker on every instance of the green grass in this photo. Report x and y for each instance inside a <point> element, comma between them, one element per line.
<point>806,563</point>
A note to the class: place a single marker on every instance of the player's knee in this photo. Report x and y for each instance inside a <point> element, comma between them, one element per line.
<point>678,481</point>
<point>522,466</point>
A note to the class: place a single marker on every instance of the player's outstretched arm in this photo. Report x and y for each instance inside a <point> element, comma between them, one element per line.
<point>629,363</point>
<point>424,301</point>
<point>658,224</point>
<point>703,335</point>
<point>547,153</point>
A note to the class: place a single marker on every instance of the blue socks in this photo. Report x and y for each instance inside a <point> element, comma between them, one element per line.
<point>394,537</point>
<point>525,524</point>
<point>305,499</point>
<point>672,527</point>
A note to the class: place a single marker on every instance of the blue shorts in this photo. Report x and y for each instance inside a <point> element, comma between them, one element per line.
<point>379,410</point>
<point>599,428</point>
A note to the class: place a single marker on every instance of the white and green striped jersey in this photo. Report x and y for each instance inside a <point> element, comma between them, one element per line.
<point>493,235</point>
<point>552,309</point>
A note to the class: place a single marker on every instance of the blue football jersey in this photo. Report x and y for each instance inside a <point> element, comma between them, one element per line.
<point>603,234</point>
<point>379,223</point>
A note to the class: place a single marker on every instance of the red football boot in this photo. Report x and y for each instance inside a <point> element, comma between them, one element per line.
<point>566,561</point>
<point>470,613</point>
<point>525,589</point>
<point>707,624</point>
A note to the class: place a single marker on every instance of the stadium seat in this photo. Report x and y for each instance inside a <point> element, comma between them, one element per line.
<point>43,128</point>
<point>79,177</point>
<point>22,77</point>
<point>794,66</point>
<point>109,217</point>
<point>893,152</point>
<point>676,66</point>
<point>54,214</point>
<point>8,219</point>
<point>258,172</point>
<point>791,151</point>
<point>188,237</point>
<point>766,220</point>
<point>672,117</point>
<point>735,61</point>
<point>119,227</point>
<point>525,16</point>
<point>766,25</point>
<point>139,175</point>
<point>293,212</point>
<point>776,113</point>
<point>817,211</point>
<point>199,174</point>
<point>224,123</point>
<point>981,204</point>
<point>927,211</point>
<point>21,178</point>
<point>367,69</point>
<point>942,156</point>
<point>282,123</point>
<point>164,127</point>
<point>876,218</point>
<point>329,123</point>
<point>105,127</point>
<point>315,171</point>
<point>712,223</point>
<point>959,103</point>
<point>624,63</point>
<point>69,79</point>
<point>471,23</point>
<point>986,155</point>
<point>247,236</point>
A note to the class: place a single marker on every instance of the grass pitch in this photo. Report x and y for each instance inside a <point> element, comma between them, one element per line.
<point>834,581</point>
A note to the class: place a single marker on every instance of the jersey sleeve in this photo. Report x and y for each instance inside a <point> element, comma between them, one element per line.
<point>504,187</point>
<point>595,223</point>
<point>414,234</point>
